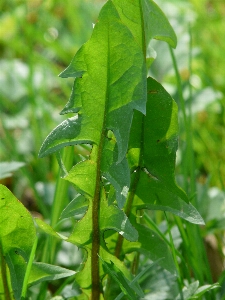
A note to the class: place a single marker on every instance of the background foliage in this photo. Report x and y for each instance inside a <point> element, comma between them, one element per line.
<point>38,39</point>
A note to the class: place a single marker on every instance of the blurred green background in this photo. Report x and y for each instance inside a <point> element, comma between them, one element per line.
<point>38,40</point>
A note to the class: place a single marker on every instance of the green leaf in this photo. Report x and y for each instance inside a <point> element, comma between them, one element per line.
<point>82,231</point>
<point>156,137</point>
<point>48,229</point>
<point>111,217</point>
<point>107,62</point>
<point>71,106</point>
<point>151,245</point>
<point>161,136</point>
<point>17,235</point>
<point>133,283</point>
<point>153,195</point>
<point>157,25</point>
<point>83,176</point>
<point>78,206</point>
<point>118,276</point>
<point>83,277</point>
<point>44,272</point>
<point>110,85</point>
<point>146,21</point>
<point>152,153</point>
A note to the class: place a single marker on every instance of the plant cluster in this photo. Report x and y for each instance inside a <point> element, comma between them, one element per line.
<point>125,125</point>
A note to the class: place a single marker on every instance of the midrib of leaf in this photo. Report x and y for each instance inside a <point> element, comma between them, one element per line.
<point>96,201</point>
<point>95,228</point>
<point>143,30</point>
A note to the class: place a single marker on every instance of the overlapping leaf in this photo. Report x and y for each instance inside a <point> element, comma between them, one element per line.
<point>83,174</point>
<point>103,68</point>
<point>152,148</point>
<point>110,82</point>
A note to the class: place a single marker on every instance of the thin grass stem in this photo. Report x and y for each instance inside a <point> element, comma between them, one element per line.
<point>179,280</point>
<point>28,269</point>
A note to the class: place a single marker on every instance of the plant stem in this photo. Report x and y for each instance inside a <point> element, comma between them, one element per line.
<point>128,208</point>
<point>97,152</point>
<point>4,276</point>
<point>179,280</point>
<point>120,238</point>
<point>28,269</point>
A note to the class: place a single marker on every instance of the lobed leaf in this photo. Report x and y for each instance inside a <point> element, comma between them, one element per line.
<point>111,217</point>
<point>110,83</point>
